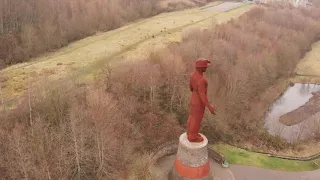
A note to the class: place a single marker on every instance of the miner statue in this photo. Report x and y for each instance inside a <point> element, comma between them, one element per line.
<point>199,100</point>
<point>192,161</point>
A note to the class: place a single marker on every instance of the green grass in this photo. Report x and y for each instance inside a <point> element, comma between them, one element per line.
<point>242,157</point>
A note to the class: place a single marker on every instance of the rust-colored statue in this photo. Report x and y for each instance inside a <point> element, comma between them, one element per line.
<point>199,100</point>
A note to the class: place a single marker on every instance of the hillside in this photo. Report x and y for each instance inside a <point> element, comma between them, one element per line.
<point>30,28</point>
<point>129,42</point>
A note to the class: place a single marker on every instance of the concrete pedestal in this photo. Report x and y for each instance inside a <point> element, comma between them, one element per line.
<point>192,162</point>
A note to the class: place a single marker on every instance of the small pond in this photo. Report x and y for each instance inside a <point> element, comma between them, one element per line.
<point>292,99</point>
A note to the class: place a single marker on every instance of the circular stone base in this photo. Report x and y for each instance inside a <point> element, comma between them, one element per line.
<point>192,154</point>
<point>192,160</point>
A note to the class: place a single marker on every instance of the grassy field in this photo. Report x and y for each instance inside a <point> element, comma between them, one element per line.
<point>131,42</point>
<point>310,66</point>
<point>238,156</point>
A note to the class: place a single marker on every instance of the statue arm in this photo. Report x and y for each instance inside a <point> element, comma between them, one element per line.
<point>202,92</point>
<point>190,86</point>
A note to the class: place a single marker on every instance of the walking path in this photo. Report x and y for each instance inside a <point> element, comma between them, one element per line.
<point>252,173</point>
<point>237,172</point>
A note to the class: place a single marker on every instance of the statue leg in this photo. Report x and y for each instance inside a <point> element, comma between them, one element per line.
<point>194,122</point>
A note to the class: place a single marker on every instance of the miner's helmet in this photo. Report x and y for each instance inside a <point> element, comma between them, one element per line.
<point>202,63</point>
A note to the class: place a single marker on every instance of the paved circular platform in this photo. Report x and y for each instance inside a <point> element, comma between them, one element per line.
<point>164,166</point>
<point>235,172</point>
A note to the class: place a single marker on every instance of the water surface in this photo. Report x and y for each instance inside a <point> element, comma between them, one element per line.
<point>293,98</point>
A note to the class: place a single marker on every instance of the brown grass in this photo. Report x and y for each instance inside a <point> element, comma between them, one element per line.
<point>29,29</point>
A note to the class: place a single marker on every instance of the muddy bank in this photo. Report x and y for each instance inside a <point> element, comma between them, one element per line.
<point>303,113</point>
<point>293,99</point>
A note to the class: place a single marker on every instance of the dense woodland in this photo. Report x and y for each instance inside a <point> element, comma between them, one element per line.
<point>249,55</point>
<point>107,130</point>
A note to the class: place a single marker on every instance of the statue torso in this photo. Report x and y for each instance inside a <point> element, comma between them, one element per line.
<point>195,79</point>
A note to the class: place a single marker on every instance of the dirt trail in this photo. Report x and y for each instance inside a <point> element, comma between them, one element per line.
<point>131,42</point>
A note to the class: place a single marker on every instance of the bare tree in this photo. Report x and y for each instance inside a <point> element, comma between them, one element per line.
<point>1,18</point>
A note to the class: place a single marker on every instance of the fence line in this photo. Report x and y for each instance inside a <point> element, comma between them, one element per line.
<point>308,75</point>
<point>308,158</point>
<point>221,157</point>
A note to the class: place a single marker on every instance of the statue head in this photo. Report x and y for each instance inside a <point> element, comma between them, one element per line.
<point>202,64</point>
